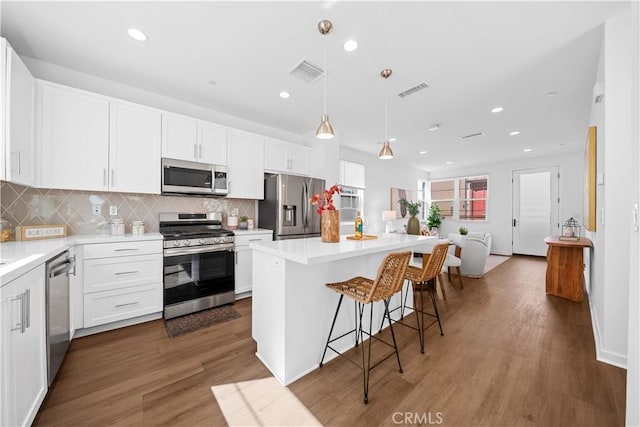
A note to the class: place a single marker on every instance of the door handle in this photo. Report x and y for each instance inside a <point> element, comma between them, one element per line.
<point>104,177</point>
<point>113,177</point>
<point>200,150</point>
<point>19,163</point>
<point>19,326</point>
<point>515,222</point>
<point>195,150</point>
<point>125,272</point>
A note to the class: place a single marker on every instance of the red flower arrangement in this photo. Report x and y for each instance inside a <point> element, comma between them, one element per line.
<point>325,200</point>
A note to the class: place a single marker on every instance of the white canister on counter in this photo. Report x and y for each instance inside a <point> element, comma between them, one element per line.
<point>137,227</point>
<point>117,226</point>
<point>232,222</point>
<point>250,224</point>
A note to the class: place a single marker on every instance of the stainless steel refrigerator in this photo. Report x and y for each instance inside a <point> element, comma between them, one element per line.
<point>286,208</point>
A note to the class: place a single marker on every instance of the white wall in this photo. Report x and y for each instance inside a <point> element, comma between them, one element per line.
<point>633,353</point>
<point>66,76</point>
<point>499,210</point>
<point>380,176</point>
<point>610,276</point>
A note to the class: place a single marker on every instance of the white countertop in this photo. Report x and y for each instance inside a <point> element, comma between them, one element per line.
<point>313,251</point>
<point>252,231</point>
<point>16,258</point>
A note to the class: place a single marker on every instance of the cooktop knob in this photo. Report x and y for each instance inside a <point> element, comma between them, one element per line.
<point>216,240</point>
<point>202,241</point>
<point>186,242</point>
<point>176,243</point>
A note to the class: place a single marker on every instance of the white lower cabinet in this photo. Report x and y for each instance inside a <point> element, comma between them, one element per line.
<point>244,260</point>
<point>121,281</point>
<point>23,370</point>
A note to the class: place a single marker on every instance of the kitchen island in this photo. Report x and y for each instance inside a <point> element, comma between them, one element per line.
<point>292,309</point>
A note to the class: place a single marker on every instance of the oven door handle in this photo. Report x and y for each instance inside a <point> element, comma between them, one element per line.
<point>198,250</point>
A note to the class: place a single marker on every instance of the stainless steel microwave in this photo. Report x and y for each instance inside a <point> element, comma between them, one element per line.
<point>183,177</point>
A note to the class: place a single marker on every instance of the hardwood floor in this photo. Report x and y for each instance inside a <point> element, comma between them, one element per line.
<point>510,356</point>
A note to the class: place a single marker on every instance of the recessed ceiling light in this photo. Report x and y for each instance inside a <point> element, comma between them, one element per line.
<point>552,93</point>
<point>423,152</point>
<point>527,150</point>
<point>449,163</point>
<point>212,82</point>
<point>497,109</point>
<point>515,132</point>
<point>434,127</point>
<point>284,94</point>
<point>136,34</point>
<point>350,45</point>
<point>392,139</point>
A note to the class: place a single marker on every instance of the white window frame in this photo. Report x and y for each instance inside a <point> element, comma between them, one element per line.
<point>456,196</point>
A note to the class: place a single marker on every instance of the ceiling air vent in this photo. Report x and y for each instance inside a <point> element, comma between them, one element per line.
<point>471,135</point>
<point>307,71</point>
<point>413,90</point>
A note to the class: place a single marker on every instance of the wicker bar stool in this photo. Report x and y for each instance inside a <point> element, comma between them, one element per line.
<point>423,279</point>
<point>364,291</point>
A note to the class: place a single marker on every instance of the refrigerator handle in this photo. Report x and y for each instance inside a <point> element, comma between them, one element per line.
<point>305,205</point>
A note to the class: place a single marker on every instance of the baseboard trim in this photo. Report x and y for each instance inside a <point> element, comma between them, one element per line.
<point>501,253</point>
<point>116,325</point>
<point>602,355</point>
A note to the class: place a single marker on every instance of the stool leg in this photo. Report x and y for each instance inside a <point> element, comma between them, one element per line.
<point>421,325</point>
<point>432,292</point>
<point>393,335</point>
<point>444,293</point>
<point>335,316</point>
<point>365,366</point>
<point>460,277</point>
<point>355,315</point>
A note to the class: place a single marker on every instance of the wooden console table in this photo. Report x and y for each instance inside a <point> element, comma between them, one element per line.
<point>565,267</point>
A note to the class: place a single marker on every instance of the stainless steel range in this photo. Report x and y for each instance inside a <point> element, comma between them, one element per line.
<point>199,263</point>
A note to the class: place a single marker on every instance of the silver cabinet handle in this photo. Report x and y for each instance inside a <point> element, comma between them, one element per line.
<point>195,150</point>
<point>72,259</point>
<point>104,177</point>
<point>254,240</point>
<point>236,257</point>
<point>126,304</point>
<point>19,162</point>
<point>113,177</point>
<point>125,272</point>
<point>18,327</point>
<point>200,150</point>
<point>126,249</point>
<point>27,312</point>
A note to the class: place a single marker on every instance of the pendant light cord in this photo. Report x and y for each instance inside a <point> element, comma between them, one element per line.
<point>325,80</point>
<point>386,114</point>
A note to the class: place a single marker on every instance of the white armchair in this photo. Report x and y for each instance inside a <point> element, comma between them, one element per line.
<point>474,256</point>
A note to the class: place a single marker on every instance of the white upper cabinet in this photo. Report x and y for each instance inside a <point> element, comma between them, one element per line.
<point>134,148</point>
<point>212,143</point>
<point>18,121</point>
<point>186,138</point>
<point>3,99</point>
<point>351,174</point>
<point>74,139</point>
<point>91,142</point>
<point>281,156</point>
<point>246,165</point>
<point>179,137</point>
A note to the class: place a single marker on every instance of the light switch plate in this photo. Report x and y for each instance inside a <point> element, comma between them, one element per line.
<point>113,210</point>
<point>600,178</point>
<point>96,209</point>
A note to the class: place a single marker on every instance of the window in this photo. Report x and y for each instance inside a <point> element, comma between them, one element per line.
<point>351,201</point>
<point>421,196</point>
<point>463,198</point>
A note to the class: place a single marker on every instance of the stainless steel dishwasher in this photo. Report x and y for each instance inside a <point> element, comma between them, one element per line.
<point>57,300</point>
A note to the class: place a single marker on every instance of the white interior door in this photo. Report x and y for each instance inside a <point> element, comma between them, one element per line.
<point>535,209</point>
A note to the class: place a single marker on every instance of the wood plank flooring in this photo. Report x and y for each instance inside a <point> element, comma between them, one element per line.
<point>510,356</point>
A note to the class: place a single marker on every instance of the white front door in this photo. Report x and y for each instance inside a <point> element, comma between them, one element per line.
<point>535,209</point>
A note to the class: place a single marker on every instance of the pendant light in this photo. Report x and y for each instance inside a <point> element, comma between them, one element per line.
<point>325,130</point>
<point>386,153</point>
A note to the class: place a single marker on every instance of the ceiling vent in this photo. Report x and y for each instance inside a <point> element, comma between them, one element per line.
<point>307,71</point>
<point>472,135</point>
<point>412,90</point>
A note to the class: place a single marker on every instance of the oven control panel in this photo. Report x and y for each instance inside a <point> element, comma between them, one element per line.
<point>207,241</point>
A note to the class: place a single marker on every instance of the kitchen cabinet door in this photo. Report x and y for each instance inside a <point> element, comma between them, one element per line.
<point>74,139</point>
<point>275,155</point>
<point>351,174</point>
<point>20,141</point>
<point>134,148</point>
<point>246,165</point>
<point>212,143</point>
<point>179,137</point>
<point>3,98</point>
<point>299,159</point>
<point>24,369</point>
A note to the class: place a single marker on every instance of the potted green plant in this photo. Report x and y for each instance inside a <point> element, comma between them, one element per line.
<point>243,224</point>
<point>413,225</point>
<point>434,219</point>
<point>463,231</point>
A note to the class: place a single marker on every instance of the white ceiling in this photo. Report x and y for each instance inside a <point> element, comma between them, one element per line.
<point>473,55</point>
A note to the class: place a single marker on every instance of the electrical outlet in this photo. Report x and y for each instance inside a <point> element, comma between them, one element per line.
<point>113,210</point>
<point>96,209</point>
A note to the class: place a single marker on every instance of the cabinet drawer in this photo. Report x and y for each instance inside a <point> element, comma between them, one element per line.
<point>116,273</point>
<point>245,240</point>
<point>104,250</point>
<point>111,306</point>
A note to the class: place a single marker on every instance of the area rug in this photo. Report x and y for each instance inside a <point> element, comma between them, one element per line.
<point>202,319</point>
<point>263,402</point>
<point>493,261</point>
